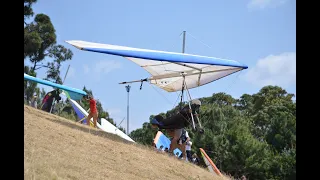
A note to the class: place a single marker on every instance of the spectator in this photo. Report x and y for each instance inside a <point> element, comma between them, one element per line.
<point>34,101</point>
<point>188,150</point>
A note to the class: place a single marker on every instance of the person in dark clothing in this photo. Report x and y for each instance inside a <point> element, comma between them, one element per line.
<point>48,99</point>
<point>176,123</point>
<point>184,137</point>
<point>166,150</point>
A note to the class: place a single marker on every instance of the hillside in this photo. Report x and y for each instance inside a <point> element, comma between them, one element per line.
<point>57,148</point>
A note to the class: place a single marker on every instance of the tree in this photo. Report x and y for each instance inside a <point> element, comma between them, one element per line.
<point>144,135</point>
<point>28,11</point>
<point>32,42</point>
<point>40,43</point>
<point>222,99</point>
<point>30,87</point>
<point>254,135</point>
<point>274,116</point>
<point>39,37</point>
<point>60,54</point>
<point>245,104</point>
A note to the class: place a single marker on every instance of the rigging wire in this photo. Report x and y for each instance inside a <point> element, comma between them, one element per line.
<point>176,101</point>
<point>199,40</point>
<point>178,95</point>
<point>160,94</point>
<point>232,83</point>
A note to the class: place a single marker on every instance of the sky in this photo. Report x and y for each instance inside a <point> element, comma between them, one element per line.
<point>258,33</point>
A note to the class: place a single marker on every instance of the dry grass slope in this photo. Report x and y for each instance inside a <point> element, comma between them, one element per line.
<point>56,148</point>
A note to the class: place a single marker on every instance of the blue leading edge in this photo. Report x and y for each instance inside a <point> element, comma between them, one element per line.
<point>75,94</point>
<point>170,57</point>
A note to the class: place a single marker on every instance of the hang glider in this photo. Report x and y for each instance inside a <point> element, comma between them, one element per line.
<point>75,94</point>
<point>104,125</point>
<point>169,70</point>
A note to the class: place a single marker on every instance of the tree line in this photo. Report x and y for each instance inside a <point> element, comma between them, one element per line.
<point>254,135</point>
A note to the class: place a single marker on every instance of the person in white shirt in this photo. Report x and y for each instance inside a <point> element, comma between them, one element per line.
<point>188,150</point>
<point>34,101</point>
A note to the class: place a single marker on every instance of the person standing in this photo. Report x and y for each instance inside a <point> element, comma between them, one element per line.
<point>93,111</point>
<point>188,150</point>
<point>48,100</point>
<point>34,101</point>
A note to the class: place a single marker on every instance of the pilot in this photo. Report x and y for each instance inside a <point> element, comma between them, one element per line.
<point>176,123</point>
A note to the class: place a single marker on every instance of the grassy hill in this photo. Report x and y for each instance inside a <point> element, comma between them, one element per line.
<point>57,148</point>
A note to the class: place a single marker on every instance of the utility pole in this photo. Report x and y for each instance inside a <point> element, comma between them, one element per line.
<point>128,90</point>
<point>184,41</point>
<point>183,48</point>
<point>66,74</point>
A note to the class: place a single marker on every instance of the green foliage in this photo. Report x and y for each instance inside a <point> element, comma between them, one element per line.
<point>60,54</point>
<point>40,44</point>
<point>30,88</point>
<point>144,135</point>
<point>32,42</point>
<point>222,99</point>
<point>254,135</point>
<point>28,12</point>
<point>40,33</point>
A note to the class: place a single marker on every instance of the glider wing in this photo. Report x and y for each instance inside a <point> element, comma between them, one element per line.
<point>167,68</point>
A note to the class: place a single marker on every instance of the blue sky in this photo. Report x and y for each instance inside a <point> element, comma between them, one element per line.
<point>258,33</point>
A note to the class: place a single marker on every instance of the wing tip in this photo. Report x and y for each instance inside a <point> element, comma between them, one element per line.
<point>74,43</point>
